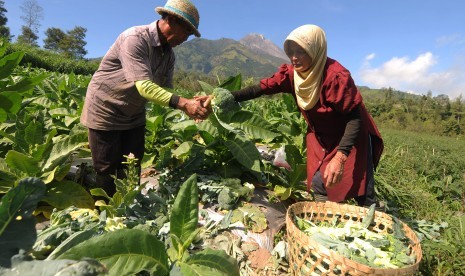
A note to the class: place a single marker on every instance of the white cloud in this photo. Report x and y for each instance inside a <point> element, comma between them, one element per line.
<point>415,76</point>
<point>453,39</point>
<point>370,57</point>
<point>333,6</point>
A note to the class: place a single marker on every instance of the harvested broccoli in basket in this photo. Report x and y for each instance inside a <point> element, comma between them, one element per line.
<point>354,240</point>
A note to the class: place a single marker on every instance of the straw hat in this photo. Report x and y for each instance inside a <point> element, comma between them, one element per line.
<point>183,9</point>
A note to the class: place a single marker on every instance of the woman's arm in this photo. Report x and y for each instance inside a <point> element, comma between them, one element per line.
<point>351,132</point>
<point>247,93</point>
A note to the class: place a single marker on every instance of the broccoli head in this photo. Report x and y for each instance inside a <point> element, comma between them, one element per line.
<point>227,199</point>
<point>223,103</point>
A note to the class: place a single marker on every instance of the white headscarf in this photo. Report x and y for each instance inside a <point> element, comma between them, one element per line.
<point>307,84</point>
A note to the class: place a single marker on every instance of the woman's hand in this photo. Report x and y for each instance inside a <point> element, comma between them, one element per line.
<point>334,170</point>
<point>205,100</point>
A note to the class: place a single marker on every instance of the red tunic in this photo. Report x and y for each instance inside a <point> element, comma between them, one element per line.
<point>326,125</point>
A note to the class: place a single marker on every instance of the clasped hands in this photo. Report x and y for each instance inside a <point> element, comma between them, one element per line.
<point>197,108</point>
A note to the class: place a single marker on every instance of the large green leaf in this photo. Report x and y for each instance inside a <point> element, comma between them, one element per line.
<point>56,267</point>
<point>41,151</point>
<point>7,181</point>
<point>26,83</point>
<point>43,101</point>
<point>60,111</point>
<point>232,83</point>
<point>33,133</point>
<point>298,171</point>
<point>53,235</point>
<point>7,177</point>
<point>10,102</point>
<point>21,200</point>
<point>246,153</point>
<point>293,155</point>
<point>9,137</point>
<point>71,119</point>
<point>195,160</point>
<point>3,115</point>
<point>22,162</point>
<point>283,192</point>
<point>210,262</point>
<point>65,193</point>
<point>207,131</point>
<point>253,125</point>
<point>206,87</point>
<point>195,270</point>
<point>19,235</point>
<point>185,213</point>
<point>8,63</point>
<point>16,209</point>
<point>297,175</point>
<point>222,127</point>
<point>124,252</point>
<point>71,241</point>
<point>183,150</point>
<point>153,124</point>
<point>63,148</point>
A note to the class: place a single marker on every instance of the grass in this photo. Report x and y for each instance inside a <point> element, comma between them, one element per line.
<point>421,177</point>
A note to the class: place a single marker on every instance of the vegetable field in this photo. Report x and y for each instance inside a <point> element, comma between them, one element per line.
<point>202,216</point>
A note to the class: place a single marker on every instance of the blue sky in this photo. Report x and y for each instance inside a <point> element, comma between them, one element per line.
<point>410,45</point>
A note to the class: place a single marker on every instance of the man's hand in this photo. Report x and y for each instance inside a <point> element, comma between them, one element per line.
<point>334,170</point>
<point>195,108</point>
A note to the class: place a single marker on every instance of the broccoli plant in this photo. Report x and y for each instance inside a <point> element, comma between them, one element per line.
<point>223,104</point>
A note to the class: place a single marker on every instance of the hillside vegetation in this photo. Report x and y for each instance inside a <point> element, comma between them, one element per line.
<point>40,58</point>
<point>223,58</point>
<point>419,113</point>
<point>208,61</point>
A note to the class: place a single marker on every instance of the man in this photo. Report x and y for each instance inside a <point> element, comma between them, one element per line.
<point>133,71</point>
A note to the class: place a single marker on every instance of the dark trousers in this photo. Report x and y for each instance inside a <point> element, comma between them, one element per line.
<point>369,198</point>
<point>108,149</point>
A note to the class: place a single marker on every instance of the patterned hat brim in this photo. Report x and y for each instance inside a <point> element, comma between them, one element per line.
<point>181,15</point>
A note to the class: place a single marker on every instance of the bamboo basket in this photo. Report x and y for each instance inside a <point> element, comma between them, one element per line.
<point>307,257</point>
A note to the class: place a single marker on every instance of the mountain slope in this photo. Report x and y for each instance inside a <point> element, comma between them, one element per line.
<point>258,43</point>
<point>225,57</point>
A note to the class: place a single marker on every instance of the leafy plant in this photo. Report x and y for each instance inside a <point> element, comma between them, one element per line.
<point>123,252</point>
<point>127,189</point>
<point>30,147</point>
<point>12,89</point>
<point>183,228</point>
<point>25,266</point>
<point>16,216</point>
<point>48,160</point>
<point>236,135</point>
<point>284,182</point>
<point>129,251</point>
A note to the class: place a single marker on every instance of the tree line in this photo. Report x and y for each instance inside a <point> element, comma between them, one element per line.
<point>419,113</point>
<point>70,43</point>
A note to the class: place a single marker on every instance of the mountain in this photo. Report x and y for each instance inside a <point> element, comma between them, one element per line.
<point>259,43</point>
<point>227,57</point>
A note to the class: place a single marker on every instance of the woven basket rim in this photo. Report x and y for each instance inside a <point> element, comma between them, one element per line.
<point>290,225</point>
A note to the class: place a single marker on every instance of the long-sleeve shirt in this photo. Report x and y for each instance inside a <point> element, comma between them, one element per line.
<point>113,101</point>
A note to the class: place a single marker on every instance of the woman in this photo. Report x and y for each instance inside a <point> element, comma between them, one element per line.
<point>343,143</point>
